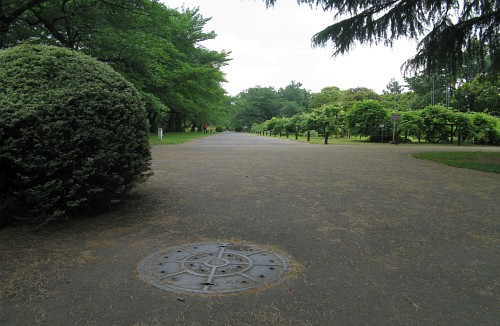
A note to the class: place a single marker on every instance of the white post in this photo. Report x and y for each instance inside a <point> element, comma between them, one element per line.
<point>160,134</point>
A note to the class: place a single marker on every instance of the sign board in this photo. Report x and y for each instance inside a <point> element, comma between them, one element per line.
<point>395,117</point>
<point>381,125</point>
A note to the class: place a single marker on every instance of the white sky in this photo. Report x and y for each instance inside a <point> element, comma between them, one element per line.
<point>272,47</point>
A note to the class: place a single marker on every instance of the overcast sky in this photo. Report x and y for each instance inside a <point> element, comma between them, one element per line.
<point>272,47</point>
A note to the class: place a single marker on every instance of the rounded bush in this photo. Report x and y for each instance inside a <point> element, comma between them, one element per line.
<point>73,134</point>
<point>219,129</point>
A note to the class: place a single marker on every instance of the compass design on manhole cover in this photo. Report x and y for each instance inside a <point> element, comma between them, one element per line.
<point>212,268</point>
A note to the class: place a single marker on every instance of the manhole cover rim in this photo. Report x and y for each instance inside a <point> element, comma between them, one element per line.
<point>278,264</point>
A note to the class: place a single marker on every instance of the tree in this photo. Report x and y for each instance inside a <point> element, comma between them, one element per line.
<point>478,95</point>
<point>352,96</point>
<point>439,123</point>
<point>276,125</point>
<point>447,27</point>
<point>392,93</point>
<point>328,95</point>
<point>411,124</point>
<point>430,89</point>
<point>393,87</point>
<point>325,118</point>
<point>159,53</point>
<point>486,128</point>
<point>294,99</point>
<point>256,104</point>
<point>60,22</point>
<point>154,47</point>
<point>365,118</point>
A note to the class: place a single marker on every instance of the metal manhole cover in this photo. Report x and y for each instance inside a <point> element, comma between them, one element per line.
<point>212,268</point>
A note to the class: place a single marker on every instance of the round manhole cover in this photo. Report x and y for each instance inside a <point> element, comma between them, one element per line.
<point>212,268</point>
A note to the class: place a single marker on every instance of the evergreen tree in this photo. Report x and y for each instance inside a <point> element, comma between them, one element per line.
<point>393,87</point>
<point>445,27</point>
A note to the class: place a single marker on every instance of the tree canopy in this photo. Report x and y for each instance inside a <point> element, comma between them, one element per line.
<point>258,104</point>
<point>156,48</point>
<point>449,30</point>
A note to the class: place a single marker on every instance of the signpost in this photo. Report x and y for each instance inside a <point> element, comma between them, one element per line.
<point>160,134</point>
<point>382,131</point>
<point>395,117</point>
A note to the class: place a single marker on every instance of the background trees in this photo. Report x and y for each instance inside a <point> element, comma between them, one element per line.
<point>258,104</point>
<point>361,111</point>
<point>455,66</point>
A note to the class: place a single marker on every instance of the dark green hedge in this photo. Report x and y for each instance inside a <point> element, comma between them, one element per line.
<point>73,134</point>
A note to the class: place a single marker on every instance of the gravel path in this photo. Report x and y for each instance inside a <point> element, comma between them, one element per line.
<point>373,237</point>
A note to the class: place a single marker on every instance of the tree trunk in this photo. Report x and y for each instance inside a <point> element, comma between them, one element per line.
<point>174,122</point>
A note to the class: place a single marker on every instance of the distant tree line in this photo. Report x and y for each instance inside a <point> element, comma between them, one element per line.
<point>431,110</point>
<point>453,75</point>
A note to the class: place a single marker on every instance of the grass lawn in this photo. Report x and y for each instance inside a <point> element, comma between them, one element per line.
<point>483,161</point>
<point>170,138</point>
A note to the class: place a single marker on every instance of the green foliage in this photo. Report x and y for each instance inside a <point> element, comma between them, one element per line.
<point>258,104</point>
<point>325,118</point>
<point>154,47</point>
<point>399,102</point>
<point>431,123</point>
<point>478,95</point>
<point>438,123</point>
<point>312,133</point>
<point>73,134</point>
<point>276,125</point>
<point>464,127</point>
<point>351,96</point>
<point>257,127</point>
<point>486,128</point>
<point>328,95</point>
<point>219,129</point>
<point>293,99</point>
<point>298,122</point>
<point>61,22</point>
<point>429,89</point>
<point>411,124</point>
<point>393,87</point>
<point>163,59</point>
<point>365,118</point>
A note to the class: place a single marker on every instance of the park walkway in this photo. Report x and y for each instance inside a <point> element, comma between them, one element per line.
<point>372,235</point>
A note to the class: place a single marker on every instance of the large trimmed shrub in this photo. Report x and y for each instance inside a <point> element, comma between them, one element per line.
<point>73,134</point>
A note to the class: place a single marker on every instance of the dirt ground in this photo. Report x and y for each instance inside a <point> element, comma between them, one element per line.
<point>374,237</point>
